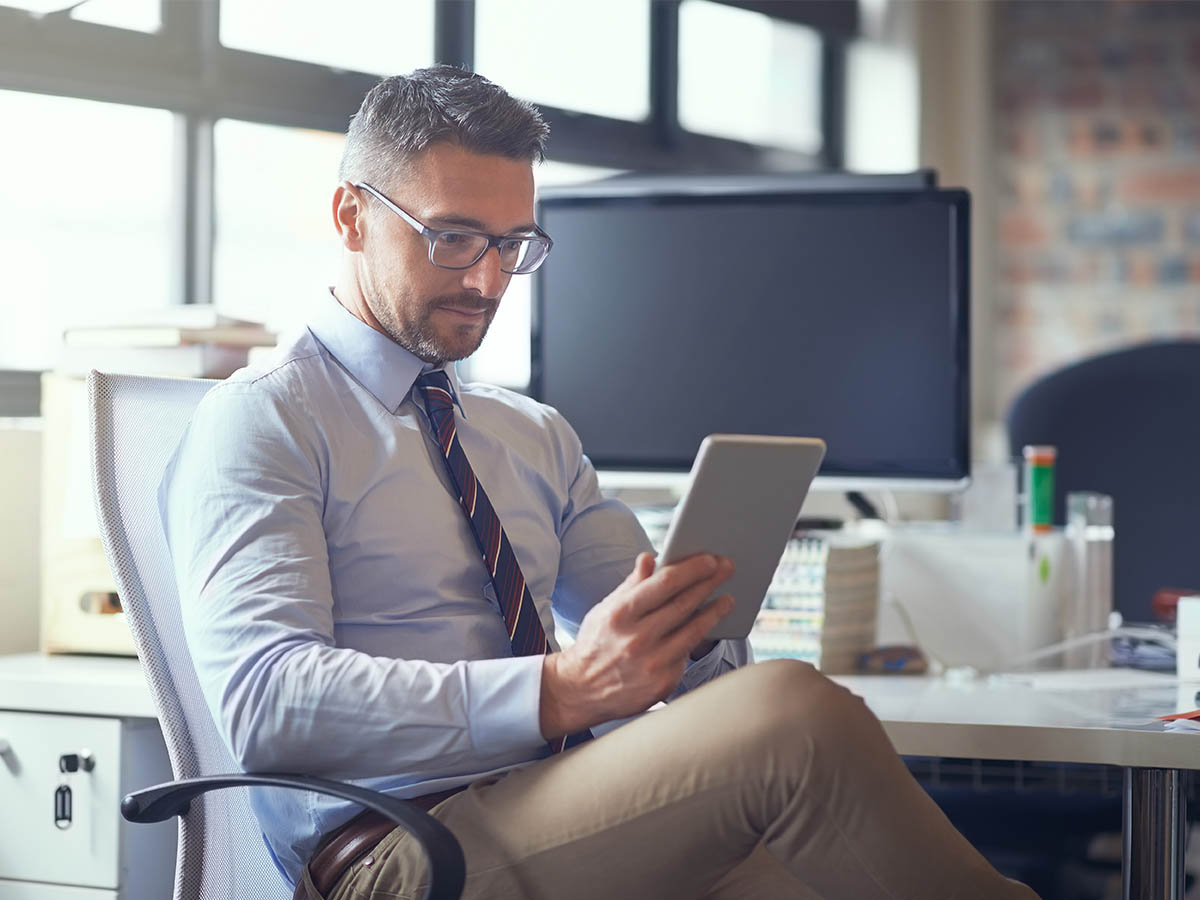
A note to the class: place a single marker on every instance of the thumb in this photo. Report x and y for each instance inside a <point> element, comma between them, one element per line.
<point>643,568</point>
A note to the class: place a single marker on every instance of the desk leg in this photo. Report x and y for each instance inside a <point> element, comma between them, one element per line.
<point>1153,834</point>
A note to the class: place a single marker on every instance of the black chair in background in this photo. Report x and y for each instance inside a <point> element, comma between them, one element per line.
<point>1127,424</point>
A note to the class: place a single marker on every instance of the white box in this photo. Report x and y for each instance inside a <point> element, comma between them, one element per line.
<point>974,598</point>
<point>20,448</point>
<point>76,582</point>
<point>1187,628</point>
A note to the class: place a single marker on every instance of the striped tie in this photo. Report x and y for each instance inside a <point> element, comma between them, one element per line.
<point>516,604</point>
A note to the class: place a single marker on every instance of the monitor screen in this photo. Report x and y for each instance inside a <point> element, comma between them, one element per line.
<point>660,318</point>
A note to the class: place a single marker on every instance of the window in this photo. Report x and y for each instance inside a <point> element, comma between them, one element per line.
<point>503,357</point>
<point>590,57</point>
<point>40,7</point>
<point>745,76</point>
<point>100,197</point>
<point>83,233</point>
<point>275,245</point>
<point>380,36</point>
<point>136,15</point>
<point>882,109</point>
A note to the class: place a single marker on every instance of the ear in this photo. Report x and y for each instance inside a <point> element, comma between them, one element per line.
<point>349,216</point>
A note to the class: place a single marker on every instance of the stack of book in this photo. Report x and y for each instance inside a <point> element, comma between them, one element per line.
<point>821,606</point>
<point>191,340</point>
<point>822,603</point>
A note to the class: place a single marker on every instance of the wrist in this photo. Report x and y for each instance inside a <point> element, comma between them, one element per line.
<point>553,704</point>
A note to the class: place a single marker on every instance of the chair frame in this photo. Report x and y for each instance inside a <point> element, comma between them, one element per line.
<point>160,802</point>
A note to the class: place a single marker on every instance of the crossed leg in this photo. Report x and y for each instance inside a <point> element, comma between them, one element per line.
<point>688,802</point>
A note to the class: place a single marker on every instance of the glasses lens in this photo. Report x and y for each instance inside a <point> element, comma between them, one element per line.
<point>524,256</point>
<point>458,249</point>
<point>462,249</point>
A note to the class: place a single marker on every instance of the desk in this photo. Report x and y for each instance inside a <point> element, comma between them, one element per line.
<point>75,685</point>
<point>1104,717</point>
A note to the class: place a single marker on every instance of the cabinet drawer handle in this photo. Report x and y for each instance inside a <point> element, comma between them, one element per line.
<point>62,808</point>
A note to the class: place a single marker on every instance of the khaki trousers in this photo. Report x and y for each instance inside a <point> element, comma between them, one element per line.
<point>769,782</point>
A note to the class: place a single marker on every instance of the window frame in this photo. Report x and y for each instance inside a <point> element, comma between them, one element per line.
<point>184,68</point>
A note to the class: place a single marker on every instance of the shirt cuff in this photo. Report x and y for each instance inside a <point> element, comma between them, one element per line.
<point>706,668</point>
<point>503,699</point>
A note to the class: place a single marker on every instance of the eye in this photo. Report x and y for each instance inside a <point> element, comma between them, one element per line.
<point>512,245</point>
<point>451,237</point>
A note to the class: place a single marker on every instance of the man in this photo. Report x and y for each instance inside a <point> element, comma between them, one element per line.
<point>377,565</point>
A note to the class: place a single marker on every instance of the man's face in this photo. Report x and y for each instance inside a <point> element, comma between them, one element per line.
<point>442,314</point>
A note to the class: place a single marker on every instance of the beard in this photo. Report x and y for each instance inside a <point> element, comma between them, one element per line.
<point>410,324</point>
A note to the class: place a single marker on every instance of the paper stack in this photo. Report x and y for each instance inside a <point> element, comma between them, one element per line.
<point>1184,721</point>
<point>821,606</point>
<point>191,340</point>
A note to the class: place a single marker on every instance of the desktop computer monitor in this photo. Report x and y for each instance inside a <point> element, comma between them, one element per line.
<point>664,315</point>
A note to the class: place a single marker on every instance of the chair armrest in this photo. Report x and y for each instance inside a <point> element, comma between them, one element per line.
<point>447,871</point>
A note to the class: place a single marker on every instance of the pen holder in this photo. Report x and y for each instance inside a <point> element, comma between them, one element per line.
<point>1088,603</point>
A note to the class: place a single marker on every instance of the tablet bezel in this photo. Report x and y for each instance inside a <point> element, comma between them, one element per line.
<point>743,499</point>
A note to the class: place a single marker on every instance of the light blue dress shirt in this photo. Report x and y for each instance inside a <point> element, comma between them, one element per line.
<point>337,609</point>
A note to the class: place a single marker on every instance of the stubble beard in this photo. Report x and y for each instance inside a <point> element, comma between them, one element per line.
<point>418,335</point>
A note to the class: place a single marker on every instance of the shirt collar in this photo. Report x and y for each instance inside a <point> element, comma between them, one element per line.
<point>377,362</point>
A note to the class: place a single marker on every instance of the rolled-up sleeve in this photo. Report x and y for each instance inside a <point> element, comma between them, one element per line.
<point>600,537</point>
<point>242,503</point>
<point>724,657</point>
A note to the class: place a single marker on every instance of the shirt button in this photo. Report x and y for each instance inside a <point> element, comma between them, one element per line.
<point>369,861</point>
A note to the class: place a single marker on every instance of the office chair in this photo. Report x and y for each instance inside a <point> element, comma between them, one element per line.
<point>136,423</point>
<point>1127,424</point>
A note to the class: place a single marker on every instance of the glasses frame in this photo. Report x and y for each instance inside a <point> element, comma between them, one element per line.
<point>432,234</point>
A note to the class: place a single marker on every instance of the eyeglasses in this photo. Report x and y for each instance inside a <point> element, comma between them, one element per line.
<point>453,248</point>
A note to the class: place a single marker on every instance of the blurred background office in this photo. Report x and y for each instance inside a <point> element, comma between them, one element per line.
<point>184,151</point>
<point>155,153</point>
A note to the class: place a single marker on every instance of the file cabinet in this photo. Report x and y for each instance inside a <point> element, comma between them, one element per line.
<point>74,739</point>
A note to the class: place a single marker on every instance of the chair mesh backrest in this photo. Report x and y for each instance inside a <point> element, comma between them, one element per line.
<point>136,423</point>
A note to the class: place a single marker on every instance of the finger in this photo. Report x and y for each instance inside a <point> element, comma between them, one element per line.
<point>643,568</point>
<point>681,641</point>
<point>669,581</point>
<point>621,601</point>
<point>678,609</point>
<point>673,613</point>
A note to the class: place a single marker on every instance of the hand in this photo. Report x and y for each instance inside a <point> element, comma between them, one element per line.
<point>633,645</point>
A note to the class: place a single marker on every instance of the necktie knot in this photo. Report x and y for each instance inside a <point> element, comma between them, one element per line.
<point>435,388</point>
<point>439,403</point>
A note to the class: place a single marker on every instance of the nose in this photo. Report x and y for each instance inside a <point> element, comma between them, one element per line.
<point>485,276</point>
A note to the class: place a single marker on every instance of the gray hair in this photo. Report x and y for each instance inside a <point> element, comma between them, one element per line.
<point>405,114</point>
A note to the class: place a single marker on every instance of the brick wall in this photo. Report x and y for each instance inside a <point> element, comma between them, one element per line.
<point>1097,113</point>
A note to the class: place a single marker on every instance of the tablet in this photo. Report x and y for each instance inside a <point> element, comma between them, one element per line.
<point>742,501</point>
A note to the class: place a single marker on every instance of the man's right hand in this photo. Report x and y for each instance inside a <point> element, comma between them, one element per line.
<point>633,646</point>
